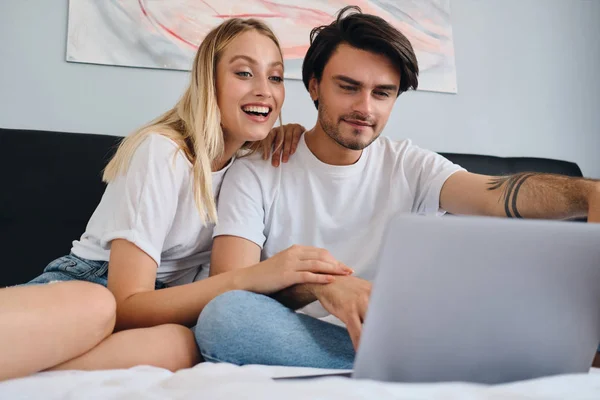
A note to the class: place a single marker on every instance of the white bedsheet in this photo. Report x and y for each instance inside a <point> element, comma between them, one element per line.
<point>224,381</point>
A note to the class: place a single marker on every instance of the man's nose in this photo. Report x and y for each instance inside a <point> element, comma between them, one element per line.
<point>364,104</point>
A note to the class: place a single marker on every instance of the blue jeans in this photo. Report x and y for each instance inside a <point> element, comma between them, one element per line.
<point>73,268</point>
<point>241,328</point>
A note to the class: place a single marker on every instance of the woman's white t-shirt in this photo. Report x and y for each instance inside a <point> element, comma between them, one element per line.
<point>153,207</point>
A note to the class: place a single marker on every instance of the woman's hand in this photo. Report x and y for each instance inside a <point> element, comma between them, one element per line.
<point>297,264</point>
<point>283,141</point>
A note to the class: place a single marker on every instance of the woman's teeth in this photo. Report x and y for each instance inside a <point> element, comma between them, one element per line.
<point>256,110</point>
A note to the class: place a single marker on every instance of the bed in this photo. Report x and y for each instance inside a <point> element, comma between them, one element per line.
<point>226,381</point>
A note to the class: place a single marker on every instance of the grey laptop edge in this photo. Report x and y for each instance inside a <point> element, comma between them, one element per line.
<point>485,300</point>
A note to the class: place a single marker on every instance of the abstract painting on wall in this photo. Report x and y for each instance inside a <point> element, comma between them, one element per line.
<point>166,33</point>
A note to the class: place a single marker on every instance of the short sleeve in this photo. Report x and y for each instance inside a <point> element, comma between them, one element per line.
<point>145,198</point>
<point>426,173</point>
<point>241,206</point>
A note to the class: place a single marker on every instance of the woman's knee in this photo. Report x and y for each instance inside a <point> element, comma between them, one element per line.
<point>179,347</point>
<point>90,308</point>
<point>78,315</point>
<point>95,303</point>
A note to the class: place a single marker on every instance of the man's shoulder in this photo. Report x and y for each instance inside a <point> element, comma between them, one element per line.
<point>403,155</point>
<point>253,161</point>
<point>389,145</point>
<point>400,148</point>
<point>391,150</point>
<point>252,166</point>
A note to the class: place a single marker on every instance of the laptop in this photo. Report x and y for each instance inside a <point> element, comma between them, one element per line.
<point>480,299</point>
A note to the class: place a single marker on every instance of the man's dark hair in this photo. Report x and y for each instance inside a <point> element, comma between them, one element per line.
<point>366,32</point>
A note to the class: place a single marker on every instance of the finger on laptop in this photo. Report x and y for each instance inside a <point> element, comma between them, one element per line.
<point>363,305</point>
<point>354,327</point>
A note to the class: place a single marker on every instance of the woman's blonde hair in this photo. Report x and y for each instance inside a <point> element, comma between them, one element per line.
<point>194,122</point>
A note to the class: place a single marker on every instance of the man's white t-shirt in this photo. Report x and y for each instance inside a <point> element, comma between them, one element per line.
<point>153,207</point>
<point>343,209</point>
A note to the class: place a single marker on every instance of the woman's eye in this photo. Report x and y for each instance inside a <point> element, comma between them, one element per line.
<point>277,79</point>
<point>244,74</point>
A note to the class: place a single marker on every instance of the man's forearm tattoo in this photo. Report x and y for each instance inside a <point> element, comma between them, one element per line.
<point>510,186</point>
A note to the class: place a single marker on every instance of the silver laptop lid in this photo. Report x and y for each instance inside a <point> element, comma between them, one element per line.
<point>483,300</point>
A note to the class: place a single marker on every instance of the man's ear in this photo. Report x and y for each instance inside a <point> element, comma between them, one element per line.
<point>313,89</point>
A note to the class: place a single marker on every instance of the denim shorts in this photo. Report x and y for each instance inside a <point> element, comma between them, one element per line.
<point>73,268</point>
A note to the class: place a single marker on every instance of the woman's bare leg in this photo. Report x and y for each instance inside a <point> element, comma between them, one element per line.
<point>167,346</point>
<point>45,325</point>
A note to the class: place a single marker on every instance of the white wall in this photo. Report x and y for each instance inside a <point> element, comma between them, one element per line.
<point>527,81</point>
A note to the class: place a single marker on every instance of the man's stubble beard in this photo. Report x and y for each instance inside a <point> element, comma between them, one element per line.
<point>333,131</point>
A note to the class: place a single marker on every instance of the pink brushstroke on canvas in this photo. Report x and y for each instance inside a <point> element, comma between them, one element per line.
<point>166,33</point>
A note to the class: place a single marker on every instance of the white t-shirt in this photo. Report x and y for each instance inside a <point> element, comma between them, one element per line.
<point>153,207</point>
<point>343,209</point>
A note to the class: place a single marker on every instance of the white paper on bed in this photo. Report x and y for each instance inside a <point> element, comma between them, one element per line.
<point>225,381</point>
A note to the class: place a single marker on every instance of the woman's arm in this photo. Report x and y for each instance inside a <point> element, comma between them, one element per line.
<point>132,274</point>
<point>131,278</point>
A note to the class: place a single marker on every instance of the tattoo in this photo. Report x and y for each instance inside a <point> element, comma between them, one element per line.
<point>548,196</point>
<point>510,191</point>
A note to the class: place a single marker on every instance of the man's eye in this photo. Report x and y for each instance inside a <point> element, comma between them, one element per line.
<point>349,88</point>
<point>382,94</point>
<point>244,74</point>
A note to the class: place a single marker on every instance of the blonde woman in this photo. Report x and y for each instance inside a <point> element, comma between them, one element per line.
<point>152,231</point>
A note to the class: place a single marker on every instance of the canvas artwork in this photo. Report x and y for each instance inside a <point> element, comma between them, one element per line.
<point>166,33</point>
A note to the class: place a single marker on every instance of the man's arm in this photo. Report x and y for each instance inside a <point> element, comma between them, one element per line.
<point>232,252</point>
<point>297,296</point>
<point>523,195</point>
<point>347,298</point>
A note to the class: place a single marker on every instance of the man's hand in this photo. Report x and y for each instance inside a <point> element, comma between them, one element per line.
<point>347,298</point>
<point>594,206</point>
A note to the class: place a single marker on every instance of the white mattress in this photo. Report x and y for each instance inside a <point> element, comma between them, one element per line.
<point>225,381</point>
